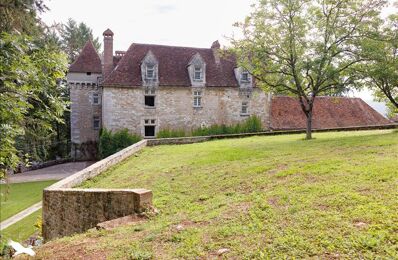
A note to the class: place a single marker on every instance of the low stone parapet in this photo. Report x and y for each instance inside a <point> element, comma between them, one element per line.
<point>70,211</point>
<point>99,167</point>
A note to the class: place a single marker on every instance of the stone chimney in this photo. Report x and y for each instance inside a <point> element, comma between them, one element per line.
<point>215,47</point>
<point>108,52</point>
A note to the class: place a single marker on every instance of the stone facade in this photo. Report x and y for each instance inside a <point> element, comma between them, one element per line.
<point>124,107</point>
<point>86,107</point>
<point>189,88</point>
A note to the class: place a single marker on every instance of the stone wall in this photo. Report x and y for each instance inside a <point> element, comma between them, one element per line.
<point>82,87</point>
<point>124,107</point>
<point>70,211</point>
<point>67,211</point>
<point>99,167</point>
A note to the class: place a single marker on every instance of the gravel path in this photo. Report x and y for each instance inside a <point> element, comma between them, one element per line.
<point>17,217</point>
<point>55,172</point>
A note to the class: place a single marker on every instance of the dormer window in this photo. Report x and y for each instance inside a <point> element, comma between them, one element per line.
<point>245,77</point>
<point>149,70</point>
<point>197,71</point>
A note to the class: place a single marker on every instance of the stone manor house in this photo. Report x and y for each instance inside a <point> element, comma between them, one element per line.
<point>153,87</point>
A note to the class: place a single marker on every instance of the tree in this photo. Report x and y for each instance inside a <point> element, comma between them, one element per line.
<point>304,47</point>
<point>21,16</point>
<point>74,36</point>
<point>379,71</point>
<point>30,97</point>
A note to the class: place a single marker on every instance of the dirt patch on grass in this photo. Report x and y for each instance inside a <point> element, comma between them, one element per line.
<point>279,168</point>
<point>127,220</point>
<point>85,249</point>
<point>273,201</point>
<point>236,209</point>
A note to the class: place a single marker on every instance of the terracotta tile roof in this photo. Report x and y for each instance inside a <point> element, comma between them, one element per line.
<point>395,118</point>
<point>173,63</point>
<point>329,112</point>
<point>87,61</point>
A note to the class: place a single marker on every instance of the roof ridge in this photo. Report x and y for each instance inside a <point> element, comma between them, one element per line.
<point>170,46</point>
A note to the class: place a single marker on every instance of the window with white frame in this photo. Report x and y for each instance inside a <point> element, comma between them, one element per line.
<point>150,71</point>
<point>245,108</point>
<point>198,73</point>
<point>149,128</point>
<point>96,99</point>
<point>197,98</point>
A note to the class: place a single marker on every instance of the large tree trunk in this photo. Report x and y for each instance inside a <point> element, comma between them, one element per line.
<point>307,104</point>
<point>309,126</point>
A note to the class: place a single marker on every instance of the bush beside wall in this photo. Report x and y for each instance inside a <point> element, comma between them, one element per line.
<point>167,133</point>
<point>112,142</point>
<point>250,125</point>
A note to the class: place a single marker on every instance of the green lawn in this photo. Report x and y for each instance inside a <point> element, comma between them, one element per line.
<point>16,197</point>
<point>261,197</point>
<point>23,229</point>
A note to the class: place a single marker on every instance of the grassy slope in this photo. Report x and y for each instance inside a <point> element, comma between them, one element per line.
<point>20,196</point>
<point>261,197</point>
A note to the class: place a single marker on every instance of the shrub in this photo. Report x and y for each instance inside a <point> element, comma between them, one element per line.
<point>111,143</point>
<point>251,125</point>
<point>167,133</point>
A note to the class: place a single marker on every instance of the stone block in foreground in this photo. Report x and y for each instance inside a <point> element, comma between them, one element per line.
<point>70,211</point>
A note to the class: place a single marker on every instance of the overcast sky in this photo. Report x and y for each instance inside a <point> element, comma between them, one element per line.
<point>194,23</point>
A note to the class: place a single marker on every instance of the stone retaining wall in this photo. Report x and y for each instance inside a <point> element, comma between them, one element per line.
<point>99,167</point>
<point>67,211</point>
<point>70,211</point>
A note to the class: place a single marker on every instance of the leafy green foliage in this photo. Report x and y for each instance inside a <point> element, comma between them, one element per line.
<point>167,133</point>
<point>304,48</point>
<point>30,86</point>
<point>250,125</point>
<point>21,16</point>
<point>112,142</point>
<point>74,36</point>
<point>379,70</point>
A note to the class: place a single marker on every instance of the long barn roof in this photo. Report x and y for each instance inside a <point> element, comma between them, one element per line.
<point>329,112</point>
